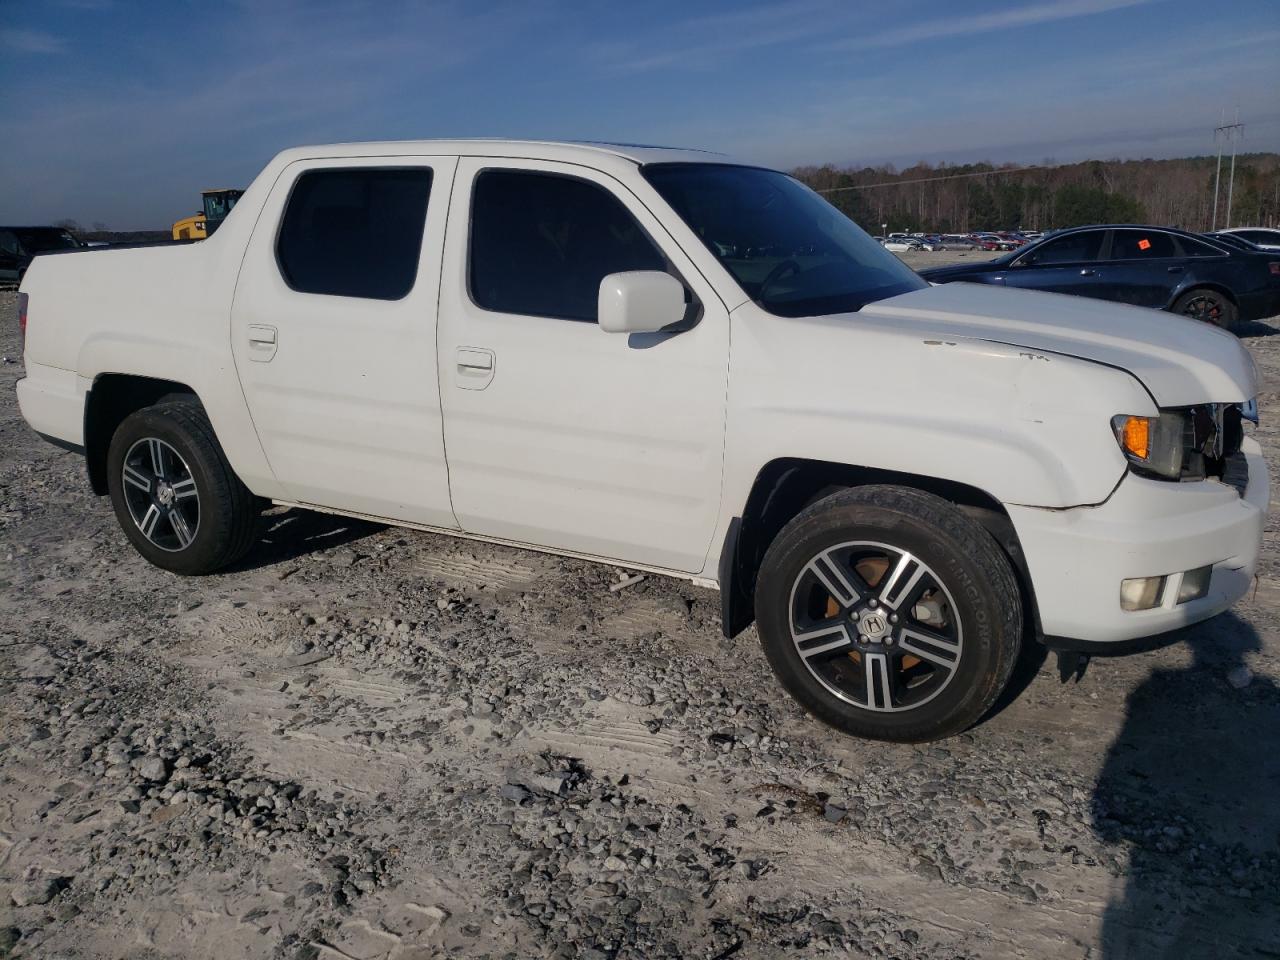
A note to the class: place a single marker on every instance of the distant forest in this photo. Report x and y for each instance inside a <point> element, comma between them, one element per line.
<point>1176,193</point>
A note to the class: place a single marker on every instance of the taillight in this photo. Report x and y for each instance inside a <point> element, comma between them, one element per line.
<point>22,321</point>
<point>1274,267</point>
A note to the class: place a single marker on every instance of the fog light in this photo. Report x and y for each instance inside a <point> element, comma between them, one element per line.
<point>1195,584</point>
<point>1141,593</point>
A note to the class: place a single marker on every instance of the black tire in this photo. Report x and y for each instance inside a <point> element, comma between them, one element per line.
<point>226,510</point>
<point>1209,306</point>
<point>978,604</point>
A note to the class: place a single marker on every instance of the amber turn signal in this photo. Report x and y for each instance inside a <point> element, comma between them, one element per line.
<point>1134,434</point>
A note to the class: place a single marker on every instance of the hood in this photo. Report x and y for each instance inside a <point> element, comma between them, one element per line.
<point>1180,361</point>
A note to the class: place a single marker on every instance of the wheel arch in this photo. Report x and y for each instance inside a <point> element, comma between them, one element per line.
<point>111,398</point>
<point>1204,285</point>
<point>785,486</point>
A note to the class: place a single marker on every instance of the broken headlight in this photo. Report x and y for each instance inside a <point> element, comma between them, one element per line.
<point>1153,445</point>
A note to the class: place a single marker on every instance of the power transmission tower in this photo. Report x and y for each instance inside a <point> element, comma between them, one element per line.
<point>1230,133</point>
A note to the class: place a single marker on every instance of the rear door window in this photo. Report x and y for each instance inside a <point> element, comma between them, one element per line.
<point>354,232</point>
<point>541,243</point>
<point>1197,248</point>
<point>1141,245</point>
<point>1080,247</point>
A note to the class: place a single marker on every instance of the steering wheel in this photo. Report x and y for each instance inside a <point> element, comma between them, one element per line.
<point>777,273</point>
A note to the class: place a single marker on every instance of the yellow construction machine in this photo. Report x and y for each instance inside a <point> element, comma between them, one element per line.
<point>217,204</point>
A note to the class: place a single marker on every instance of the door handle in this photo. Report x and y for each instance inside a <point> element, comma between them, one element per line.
<point>1086,272</point>
<point>1176,269</point>
<point>475,367</point>
<point>470,358</point>
<point>262,342</point>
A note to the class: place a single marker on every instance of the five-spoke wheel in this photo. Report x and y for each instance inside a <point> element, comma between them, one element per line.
<point>890,613</point>
<point>174,493</point>
<point>875,626</point>
<point>161,494</point>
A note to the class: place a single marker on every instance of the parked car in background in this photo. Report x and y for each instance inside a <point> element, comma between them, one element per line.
<point>1265,237</point>
<point>465,337</point>
<point>996,241</point>
<point>958,241</point>
<point>900,244</point>
<point>1145,266</point>
<point>1233,240</point>
<point>19,244</point>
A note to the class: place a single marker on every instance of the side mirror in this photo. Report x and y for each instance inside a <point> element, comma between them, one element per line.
<point>639,301</point>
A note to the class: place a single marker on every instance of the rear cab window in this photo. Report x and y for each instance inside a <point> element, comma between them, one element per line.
<point>354,232</point>
<point>540,244</point>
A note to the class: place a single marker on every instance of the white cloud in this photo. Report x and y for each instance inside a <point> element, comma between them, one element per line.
<point>985,23</point>
<point>31,41</point>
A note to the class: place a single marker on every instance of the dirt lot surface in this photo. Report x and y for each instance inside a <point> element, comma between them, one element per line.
<point>367,742</point>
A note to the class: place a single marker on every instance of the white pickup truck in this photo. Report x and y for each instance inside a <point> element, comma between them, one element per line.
<point>668,361</point>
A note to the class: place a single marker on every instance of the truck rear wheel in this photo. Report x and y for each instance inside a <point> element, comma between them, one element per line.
<point>889,613</point>
<point>174,493</point>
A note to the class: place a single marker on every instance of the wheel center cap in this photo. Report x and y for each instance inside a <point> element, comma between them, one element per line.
<point>872,624</point>
<point>164,493</point>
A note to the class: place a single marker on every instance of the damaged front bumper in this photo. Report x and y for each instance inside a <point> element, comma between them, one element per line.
<point>1078,558</point>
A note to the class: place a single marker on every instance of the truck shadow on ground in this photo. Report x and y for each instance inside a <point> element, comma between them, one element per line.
<point>1189,788</point>
<point>294,533</point>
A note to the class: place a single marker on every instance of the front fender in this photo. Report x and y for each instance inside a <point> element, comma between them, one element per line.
<point>1024,426</point>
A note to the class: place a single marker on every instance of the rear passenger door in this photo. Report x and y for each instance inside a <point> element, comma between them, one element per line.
<point>333,334</point>
<point>1142,267</point>
<point>559,434</point>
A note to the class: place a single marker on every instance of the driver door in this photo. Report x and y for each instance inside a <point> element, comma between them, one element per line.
<point>1066,264</point>
<point>557,433</point>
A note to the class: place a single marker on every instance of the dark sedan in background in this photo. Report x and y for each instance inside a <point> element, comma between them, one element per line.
<point>1144,266</point>
<point>19,244</point>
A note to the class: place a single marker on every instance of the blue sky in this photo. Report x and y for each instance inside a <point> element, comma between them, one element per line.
<point>121,111</point>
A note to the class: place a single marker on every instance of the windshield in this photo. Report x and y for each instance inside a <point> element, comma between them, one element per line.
<point>791,252</point>
<point>41,241</point>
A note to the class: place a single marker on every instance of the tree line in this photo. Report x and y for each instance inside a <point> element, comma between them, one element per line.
<point>983,196</point>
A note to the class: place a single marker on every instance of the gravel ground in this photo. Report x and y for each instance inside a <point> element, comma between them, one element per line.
<point>367,742</point>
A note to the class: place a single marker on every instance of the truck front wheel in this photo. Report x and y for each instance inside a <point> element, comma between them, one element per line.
<point>889,613</point>
<point>174,493</point>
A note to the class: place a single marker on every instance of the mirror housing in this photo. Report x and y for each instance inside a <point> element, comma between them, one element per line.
<point>639,301</point>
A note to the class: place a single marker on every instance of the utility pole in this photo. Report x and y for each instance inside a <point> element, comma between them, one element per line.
<point>1217,175</point>
<point>1230,132</point>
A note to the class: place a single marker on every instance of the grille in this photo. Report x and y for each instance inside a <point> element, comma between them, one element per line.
<point>1212,436</point>
<point>1235,471</point>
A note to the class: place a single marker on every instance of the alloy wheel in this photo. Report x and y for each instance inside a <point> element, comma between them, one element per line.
<point>161,494</point>
<point>1204,307</point>
<point>876,626</point>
